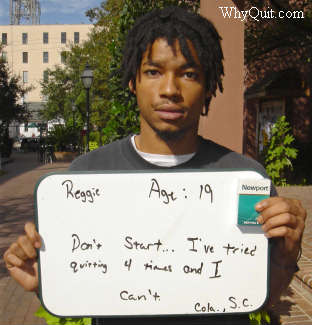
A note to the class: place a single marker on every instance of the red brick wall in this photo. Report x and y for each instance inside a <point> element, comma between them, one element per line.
<point>250,128</point>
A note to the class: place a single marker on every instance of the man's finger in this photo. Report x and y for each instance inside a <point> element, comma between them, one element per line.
<point>13,261</point>
<point>26,245</point>
<point>277,205</point>
<point>285,219</point>
<point>282,231</point>
<point>31,232</point>
<point>15,249</point>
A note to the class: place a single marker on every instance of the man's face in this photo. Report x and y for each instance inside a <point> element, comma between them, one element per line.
<point>170,91</point>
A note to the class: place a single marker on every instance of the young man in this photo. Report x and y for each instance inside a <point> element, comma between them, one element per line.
<point>173,65</point>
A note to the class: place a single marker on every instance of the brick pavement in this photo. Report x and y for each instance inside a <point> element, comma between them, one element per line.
<point>296,307</point>
<point>17,307</point>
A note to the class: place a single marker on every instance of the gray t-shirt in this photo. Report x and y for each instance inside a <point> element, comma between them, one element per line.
<point>121,155</point>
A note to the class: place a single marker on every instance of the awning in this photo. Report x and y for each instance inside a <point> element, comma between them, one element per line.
<point>32,125</point>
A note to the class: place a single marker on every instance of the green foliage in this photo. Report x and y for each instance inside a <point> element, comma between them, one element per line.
<point>280,152</point>
<point>284,35</point>
<point>11,91</point>
<point>55,89</point>
<point>259,318</point>
<point>53,320</point>
<point>61,137</point>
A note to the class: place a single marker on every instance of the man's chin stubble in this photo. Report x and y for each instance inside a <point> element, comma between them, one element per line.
<point>171,136</point>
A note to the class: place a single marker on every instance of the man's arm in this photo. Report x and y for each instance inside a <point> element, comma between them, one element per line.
<point>283,221</point>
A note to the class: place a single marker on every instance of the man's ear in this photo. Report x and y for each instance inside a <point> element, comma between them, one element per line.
<point>131,86</point>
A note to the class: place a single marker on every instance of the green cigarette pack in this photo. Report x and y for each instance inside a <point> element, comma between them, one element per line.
<point>250,192</point>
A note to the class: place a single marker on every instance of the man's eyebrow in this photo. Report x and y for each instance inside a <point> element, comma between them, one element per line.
<point>183,67</point>
<point>152,63</point>
<point>189,65</point>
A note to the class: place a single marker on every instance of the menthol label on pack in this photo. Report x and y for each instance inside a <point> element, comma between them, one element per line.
<point>250,192</point>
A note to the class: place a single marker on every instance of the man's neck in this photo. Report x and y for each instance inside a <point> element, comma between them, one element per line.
<point>152,143</point>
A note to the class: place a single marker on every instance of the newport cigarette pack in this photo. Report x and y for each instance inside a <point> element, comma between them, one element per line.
<point>250,192</point>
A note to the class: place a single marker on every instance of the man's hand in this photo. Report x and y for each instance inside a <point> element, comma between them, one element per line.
<point>21,258</point>
<point>283,219</point>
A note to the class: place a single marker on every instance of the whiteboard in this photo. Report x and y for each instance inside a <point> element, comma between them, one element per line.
<point>148,243</point>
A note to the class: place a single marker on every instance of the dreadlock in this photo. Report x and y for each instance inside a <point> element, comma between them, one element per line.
<point>174,23</point>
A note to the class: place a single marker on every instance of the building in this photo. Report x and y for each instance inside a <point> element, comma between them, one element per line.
<point>29,51</point>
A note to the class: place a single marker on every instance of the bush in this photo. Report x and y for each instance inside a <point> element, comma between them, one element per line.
<point>280,152</point>
<point>62,138</point>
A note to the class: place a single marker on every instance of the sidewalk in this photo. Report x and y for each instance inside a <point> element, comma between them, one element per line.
<point>296,307</point>
<point>17,307</point>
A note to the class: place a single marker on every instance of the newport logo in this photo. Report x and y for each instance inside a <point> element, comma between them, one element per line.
<point>257,14</point>
<point>255,188</point>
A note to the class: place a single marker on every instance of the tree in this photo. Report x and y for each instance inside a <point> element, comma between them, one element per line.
<point>279,43</point>
<point>11,92</point>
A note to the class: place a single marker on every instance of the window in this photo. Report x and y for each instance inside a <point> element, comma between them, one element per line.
<point>45,38</point>
<point>25,77</point>
<point>76,37</point>
<point>24,38</point>
<point>25,57</point>
<point>45,76</point>
<point>4,39</point>
<point>26,127</point>
<point>63,37</point>
<point>45,57</point>
<point>4,56</point>
<point>63,57</point>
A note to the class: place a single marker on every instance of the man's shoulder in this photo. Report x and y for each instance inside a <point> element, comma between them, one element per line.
<point>222,157</point>
<point>101,158</point>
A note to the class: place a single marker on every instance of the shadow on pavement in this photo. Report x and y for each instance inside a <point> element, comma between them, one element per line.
<point>283,307</point>
<point>25,162</point>
<point>21,163</point>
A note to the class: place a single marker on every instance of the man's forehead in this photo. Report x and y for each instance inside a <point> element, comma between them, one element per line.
<point>174,48</point>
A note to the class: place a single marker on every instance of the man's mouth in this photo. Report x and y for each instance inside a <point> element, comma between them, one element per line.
<point>169,112</point>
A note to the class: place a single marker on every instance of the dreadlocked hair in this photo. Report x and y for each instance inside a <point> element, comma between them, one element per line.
<point>174,23</point>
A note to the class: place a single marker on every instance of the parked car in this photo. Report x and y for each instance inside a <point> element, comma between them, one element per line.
<point>30,144</point>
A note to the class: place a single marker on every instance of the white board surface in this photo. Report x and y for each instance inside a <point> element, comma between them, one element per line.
<point>148,243</point>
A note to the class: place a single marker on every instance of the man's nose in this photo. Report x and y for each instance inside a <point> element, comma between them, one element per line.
<point>170,87</point>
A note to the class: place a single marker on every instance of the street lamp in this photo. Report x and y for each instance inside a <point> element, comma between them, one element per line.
<point>87,78</point>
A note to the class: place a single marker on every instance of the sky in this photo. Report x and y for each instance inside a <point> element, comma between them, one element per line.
<point>56,11</point>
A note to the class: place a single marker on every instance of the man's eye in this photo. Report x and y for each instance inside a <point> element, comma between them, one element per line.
<point>190,75</point>
<point>151,72</point>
